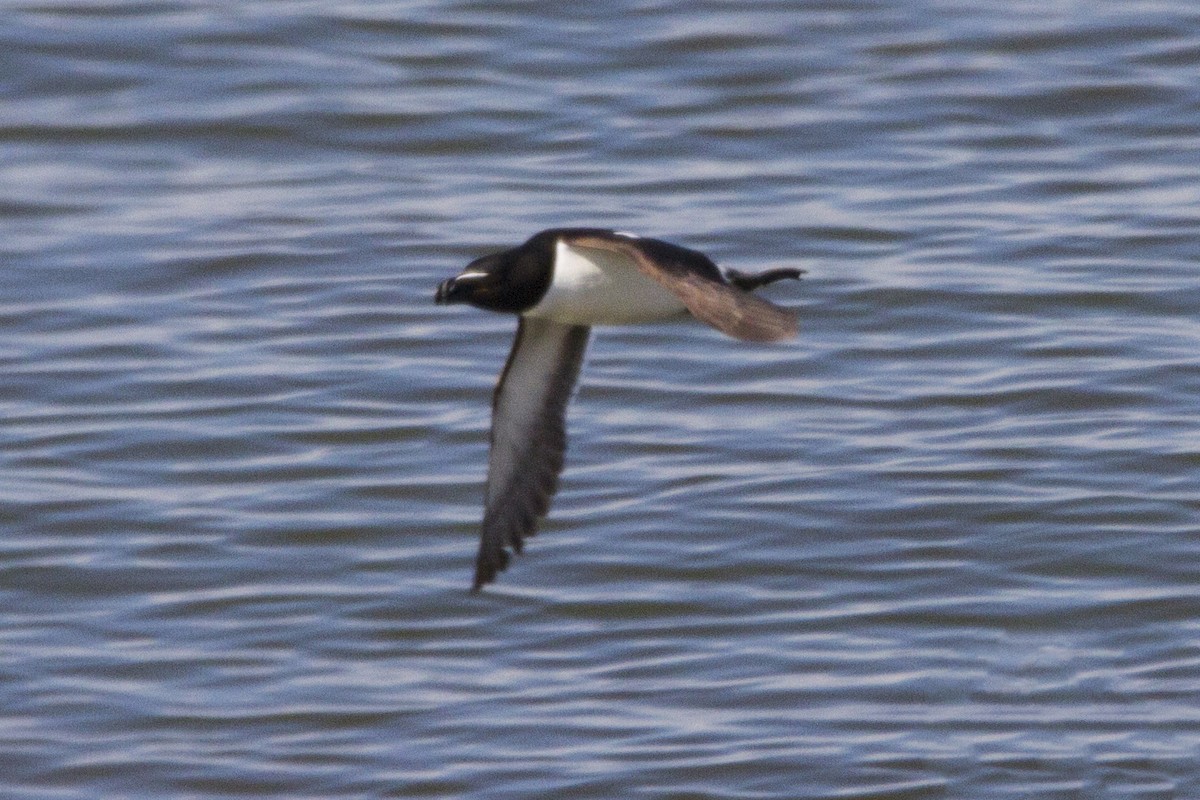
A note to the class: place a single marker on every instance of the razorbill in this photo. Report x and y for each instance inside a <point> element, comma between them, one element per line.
<point>560,283</point>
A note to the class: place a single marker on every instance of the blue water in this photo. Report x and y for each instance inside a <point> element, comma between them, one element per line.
<point>943,545</point>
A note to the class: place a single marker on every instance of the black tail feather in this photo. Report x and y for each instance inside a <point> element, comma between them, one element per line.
<point>748,282</point>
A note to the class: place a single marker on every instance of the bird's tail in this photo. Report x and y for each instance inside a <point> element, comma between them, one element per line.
<point>748,282</point>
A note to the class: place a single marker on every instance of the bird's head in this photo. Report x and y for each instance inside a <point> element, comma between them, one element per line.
<point>513,281</point>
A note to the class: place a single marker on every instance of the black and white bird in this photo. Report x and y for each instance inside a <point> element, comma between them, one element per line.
<point>560,283</point>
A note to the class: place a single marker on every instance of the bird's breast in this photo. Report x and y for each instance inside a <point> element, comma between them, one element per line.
<point>597,287</point>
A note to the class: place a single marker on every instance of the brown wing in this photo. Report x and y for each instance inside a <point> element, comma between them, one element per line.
<point>728,309</point>
<point>528,437</point>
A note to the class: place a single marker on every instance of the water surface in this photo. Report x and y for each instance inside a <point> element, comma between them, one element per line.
<point>944,545</point>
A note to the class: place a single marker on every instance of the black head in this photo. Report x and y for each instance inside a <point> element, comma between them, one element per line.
<point>512,281</point>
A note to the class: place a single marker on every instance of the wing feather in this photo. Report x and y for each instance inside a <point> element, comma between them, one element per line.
<point>727,308</point>
<point>528,437</point>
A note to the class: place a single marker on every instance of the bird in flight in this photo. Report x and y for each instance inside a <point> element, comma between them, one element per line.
<point>560,283</point>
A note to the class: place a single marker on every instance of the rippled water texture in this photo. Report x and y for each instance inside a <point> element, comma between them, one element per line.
<point>944,545</point>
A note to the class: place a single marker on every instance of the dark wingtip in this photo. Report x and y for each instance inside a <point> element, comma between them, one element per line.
<point>488,566</point>
<point>481,581</point>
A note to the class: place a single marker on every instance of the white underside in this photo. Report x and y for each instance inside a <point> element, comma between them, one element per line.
<point>597,287</point>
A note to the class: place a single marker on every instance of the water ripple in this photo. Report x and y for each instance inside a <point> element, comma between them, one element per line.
<point>942,545</point>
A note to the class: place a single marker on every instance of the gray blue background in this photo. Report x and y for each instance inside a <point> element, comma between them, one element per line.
<point>944,545</point>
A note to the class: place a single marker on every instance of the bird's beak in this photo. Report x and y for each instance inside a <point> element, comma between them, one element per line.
<point>449,291</point>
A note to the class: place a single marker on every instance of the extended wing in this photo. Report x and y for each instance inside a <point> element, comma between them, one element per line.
<point>728,309</point>
<point>528,437</point>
